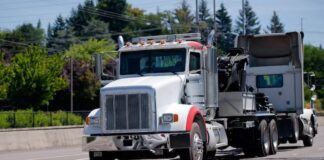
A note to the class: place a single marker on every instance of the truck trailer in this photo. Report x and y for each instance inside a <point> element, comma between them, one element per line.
<point>174,96</point>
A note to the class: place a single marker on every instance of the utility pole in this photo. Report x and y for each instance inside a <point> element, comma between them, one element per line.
<point>215,24</point>
<point>71,84</point>
<point>243,10</point>
<point>197,16</point>
<point>301,24</point>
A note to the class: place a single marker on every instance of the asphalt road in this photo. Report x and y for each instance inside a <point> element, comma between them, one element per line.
<point>286,151</point>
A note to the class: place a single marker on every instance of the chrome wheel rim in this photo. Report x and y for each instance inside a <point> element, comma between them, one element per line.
<point>197,147</point>
<point>275,137</point>
<point>266,139</point>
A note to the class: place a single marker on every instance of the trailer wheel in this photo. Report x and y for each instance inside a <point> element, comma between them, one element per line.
<point>196,150</point>
<point>295,128</point>
<point>308,139</point>
<point>263,143</point>
<point>273,131</point>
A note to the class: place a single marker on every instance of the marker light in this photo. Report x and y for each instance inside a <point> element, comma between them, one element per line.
<point>128,44</point>
<point>151,42</point>
<point>162,41</point>
<point>142,43</point>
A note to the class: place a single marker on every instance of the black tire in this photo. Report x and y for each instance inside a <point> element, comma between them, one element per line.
<point>211,154</point>
<point>196,150</point>
<point>295,127</point>
<point>308,139</point>
<point>263,142</point>
<point>249,152</point>
<point>274,139</point>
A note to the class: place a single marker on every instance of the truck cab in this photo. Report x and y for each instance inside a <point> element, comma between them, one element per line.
<point>157,100</point>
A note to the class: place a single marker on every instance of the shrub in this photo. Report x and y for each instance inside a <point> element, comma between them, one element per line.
<point>28,118</point>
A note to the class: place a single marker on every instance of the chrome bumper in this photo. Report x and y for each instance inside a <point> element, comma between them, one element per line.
<point>97,143</point>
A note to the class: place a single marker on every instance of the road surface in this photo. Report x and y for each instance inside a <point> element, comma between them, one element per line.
<point>286,151</point>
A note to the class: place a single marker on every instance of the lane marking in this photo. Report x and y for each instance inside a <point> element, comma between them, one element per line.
<point>69,155</point>
<point>83,159</point>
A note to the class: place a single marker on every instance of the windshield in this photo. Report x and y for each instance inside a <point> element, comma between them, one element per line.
<point>153,61</point>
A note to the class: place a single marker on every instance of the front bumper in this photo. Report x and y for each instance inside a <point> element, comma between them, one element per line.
<point>178,140</point>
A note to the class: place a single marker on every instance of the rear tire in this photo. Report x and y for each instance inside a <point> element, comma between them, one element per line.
<point>295,128</point>
<point>274,139</point>
<point>308,139</point>
<point>263,143</point>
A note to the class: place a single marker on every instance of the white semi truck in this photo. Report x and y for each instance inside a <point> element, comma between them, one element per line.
<point>174,97</point>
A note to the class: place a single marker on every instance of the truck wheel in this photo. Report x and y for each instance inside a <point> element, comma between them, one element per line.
<point>295,131</point>
<point>196,150</point>
<point>263,143</point>
<point>211,154</point>
<point>273,131</point>
<point>308,139</point>
<point>249,152</point>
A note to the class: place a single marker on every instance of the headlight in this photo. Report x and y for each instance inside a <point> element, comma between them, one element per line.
<point>169,118</point>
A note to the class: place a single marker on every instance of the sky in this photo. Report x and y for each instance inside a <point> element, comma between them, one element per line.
<point>295,14</point>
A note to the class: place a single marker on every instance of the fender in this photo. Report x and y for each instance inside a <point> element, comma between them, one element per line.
<point>193,112</point>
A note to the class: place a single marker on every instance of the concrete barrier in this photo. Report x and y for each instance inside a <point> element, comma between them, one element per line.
<point>39,138</point>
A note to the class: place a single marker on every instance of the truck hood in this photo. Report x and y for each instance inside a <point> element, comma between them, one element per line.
<point>155,82</point>
<point>167,88</point>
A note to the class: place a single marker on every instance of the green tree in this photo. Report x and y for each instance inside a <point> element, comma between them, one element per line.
<point>81,16</point>
<point>61,36</point>
<point>251,22</point>
<point>313,62</point>
<point>225,37</point>
<point>86,86</point>
<point>95,29</point>
<point>3,81</point>
<point>184,18</point>
<point>34,78</point>
<point>275,25</point>
<point>112,11</point>
<point>86,50</point>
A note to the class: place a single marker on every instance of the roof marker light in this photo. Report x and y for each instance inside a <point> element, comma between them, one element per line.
<point>128,44</point>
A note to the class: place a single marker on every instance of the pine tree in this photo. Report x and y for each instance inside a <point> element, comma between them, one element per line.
<point>225,38</point>
<point>113,11</point>
<point>251,23</point>
<point>39,24</point>
<point>275,25</point>
<point>203,11</point>
<point>81,16</point>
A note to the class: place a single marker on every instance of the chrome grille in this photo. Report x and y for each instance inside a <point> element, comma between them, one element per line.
<point>128,112</point>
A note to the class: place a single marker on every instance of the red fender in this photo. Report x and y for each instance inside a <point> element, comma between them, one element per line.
<point>191,116</point>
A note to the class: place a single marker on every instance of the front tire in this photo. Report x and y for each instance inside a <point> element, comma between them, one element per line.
<point>274,142</point>
<point>196,150</point>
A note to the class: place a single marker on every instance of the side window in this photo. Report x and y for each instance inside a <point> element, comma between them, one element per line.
<point>194,64</point>
<point>269,81</point>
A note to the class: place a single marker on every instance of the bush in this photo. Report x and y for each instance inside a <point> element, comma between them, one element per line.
<point>5,120</point>
<point>28,118</point>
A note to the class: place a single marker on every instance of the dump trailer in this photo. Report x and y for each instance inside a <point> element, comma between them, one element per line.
<point>175,97</point>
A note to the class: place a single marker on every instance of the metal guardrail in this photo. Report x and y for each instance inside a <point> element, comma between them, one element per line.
<point>27,119</point>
